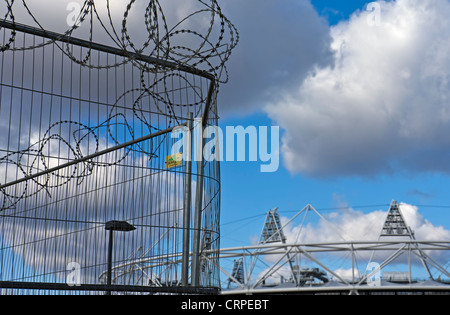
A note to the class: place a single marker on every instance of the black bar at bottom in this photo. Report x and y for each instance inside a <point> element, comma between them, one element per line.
<point>105,288</point>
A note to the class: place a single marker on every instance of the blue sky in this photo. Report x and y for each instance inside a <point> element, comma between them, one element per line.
<point>248,194</point>
<point>335,11</point>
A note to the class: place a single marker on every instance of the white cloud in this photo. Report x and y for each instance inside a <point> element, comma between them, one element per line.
<point>383,105</point>
<point>354,225</point>
<point>424,230</point>
<point>348,274</point>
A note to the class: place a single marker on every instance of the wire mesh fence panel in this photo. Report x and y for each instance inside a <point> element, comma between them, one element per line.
<point>87,130</point>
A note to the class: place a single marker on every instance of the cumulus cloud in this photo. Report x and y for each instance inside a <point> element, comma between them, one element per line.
<point>383,105</point>
<point>279,45</point>
<point>354,225</point>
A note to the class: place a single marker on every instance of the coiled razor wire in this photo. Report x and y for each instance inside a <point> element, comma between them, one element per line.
<point>210,53</point>
<point>208,48</point>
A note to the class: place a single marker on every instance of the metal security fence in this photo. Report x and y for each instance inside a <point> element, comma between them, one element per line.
<point>87,130</point>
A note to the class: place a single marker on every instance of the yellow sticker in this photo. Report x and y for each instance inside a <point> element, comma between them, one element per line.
<point>174,160</point>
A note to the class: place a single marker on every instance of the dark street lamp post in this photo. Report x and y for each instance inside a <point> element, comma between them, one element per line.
<point>111,226</point>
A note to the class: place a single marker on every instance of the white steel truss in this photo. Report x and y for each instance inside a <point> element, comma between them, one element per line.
<point>254,265</point>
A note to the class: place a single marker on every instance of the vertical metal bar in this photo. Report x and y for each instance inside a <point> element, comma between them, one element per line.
<point>187,202</point>
<point>353,263</point>
<point>199,191</point>
<point>198,214</point>
<point>110,248</point>
<point>409,264</point>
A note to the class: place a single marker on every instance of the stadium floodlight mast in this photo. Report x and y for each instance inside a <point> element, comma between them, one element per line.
<point>113,226</point>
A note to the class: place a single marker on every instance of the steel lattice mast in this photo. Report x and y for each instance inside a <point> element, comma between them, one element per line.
<point>395,226</point>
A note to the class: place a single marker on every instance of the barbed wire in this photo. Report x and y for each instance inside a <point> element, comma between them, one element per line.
<point>210,53</point>
<point>207,49</point>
